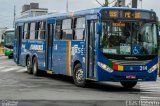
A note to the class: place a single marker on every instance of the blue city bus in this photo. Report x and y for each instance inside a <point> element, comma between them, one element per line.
<point>100,44</point>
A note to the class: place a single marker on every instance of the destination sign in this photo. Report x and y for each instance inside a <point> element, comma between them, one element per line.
<point>118,24</point>
<point>128,14</point>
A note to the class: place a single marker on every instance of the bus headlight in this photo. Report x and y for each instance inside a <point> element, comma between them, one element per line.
<point>153,68</point>
<point>105,67</point>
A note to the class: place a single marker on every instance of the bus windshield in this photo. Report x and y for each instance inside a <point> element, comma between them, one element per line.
<point>129,38</point>
<point>9,38</point>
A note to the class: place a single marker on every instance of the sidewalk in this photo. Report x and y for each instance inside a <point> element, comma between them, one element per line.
<point>1,55</point>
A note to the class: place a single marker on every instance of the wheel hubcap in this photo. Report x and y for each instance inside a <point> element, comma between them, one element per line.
<point>79,75</point>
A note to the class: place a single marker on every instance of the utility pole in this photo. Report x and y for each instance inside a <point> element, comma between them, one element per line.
<point>67,7</point>
<point>14,16</point>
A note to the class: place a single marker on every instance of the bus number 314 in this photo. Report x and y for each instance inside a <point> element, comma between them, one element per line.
<point>143,68</point>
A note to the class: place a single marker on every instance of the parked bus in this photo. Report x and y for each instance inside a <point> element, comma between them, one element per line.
<point>101,44</point>
<point>8,42</point>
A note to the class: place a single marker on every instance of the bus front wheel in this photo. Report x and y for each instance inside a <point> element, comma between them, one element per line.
<point>28,64</point>
<point>78,76</point>
<point>35,67</point>
<point>128,84</point>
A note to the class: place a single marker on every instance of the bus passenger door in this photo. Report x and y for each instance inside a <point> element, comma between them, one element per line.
<point>18,43</point>
<point>49,50</point>
<point>91,57</point>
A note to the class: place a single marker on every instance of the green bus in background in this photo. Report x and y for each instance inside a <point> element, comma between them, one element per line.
<point>8,42</point>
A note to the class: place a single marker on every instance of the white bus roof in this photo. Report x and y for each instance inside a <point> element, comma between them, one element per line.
<point>10,29</point>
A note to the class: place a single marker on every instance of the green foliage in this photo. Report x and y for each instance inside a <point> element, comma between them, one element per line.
<point>105,4</point>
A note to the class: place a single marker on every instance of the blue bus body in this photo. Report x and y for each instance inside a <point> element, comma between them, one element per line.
<point>62,56</point>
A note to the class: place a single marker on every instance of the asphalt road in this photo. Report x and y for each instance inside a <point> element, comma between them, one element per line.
<point>16,85</point>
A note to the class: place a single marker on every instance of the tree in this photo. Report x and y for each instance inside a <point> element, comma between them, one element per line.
<point>106,3</point>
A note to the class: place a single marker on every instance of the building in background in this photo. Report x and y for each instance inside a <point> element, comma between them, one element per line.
<point>32,10</point>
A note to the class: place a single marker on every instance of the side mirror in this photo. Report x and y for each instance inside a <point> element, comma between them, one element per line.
<point>99,28</point>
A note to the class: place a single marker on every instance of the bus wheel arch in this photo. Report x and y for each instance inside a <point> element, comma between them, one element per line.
<point>78,74</point>
<point>76,62</point>
<point>28,64</point>
<point>128,84</point>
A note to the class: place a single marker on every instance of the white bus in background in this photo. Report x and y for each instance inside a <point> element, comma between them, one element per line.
<point>2,30</point>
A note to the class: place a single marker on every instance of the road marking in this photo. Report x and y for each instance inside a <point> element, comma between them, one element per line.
<point>2,67</point>
<point>8,69</point>
<point>22,70</point>
<point>149,98</point>
<point>2,63</point>
<point>150,87</point>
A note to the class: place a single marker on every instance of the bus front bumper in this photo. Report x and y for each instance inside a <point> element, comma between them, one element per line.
<point>118,76</point>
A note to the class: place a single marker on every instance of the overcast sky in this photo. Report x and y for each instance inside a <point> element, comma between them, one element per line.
<point>7,7</point>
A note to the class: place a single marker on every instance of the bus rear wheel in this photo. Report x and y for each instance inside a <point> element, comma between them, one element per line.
<point>10,57</point>
<point>78,76</point>
<point>28,64</point>
<point>128,84</point>
<point>35,67</point>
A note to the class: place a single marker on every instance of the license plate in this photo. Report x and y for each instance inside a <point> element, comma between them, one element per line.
<point>130,77</point>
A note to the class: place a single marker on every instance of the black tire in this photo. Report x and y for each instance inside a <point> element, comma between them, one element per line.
<point>10,57</point>
<point>35,67</point>
<point>28,64</point>
<point>78,76</point>
<point>128,84</point>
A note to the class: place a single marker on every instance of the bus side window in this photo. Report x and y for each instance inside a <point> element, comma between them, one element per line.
<point>37,30</point>
<point>16,32</point>
<point>32,31</point>
<point>26,31</point>
<point>67,29</point>
<point>59,31</point>
<point>74,28</point>
<point>42,29</point>
<point>79,29</point>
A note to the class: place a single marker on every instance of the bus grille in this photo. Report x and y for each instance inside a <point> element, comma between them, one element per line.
<point>130,63</point>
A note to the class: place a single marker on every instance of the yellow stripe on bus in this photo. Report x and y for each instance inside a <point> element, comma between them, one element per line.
<point>120,68</point>
<point>69,59</point>
<point>49,72</point>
